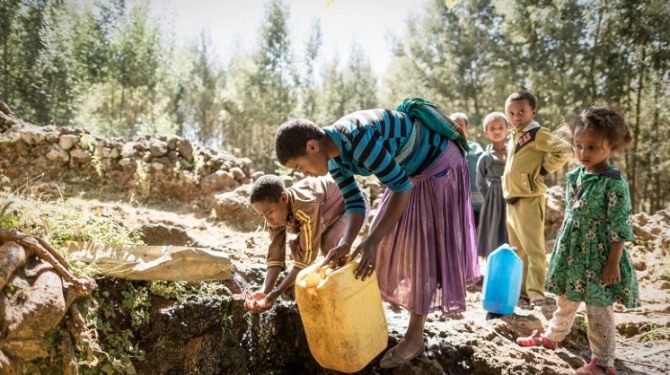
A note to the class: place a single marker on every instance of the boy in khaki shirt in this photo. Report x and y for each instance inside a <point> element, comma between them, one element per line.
<point>309,214</point>
<point>533,152</point>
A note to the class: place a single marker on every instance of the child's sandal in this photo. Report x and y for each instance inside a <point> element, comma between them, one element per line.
<point>534,340</point>
<point>593,367</point>
<point>528,340</point>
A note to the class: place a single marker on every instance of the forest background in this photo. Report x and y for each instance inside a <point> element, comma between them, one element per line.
<point>111,68</point>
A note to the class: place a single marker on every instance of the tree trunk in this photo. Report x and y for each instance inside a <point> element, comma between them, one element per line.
<point>593,89</point>
<point>636,129</point>
<point>656,197</point>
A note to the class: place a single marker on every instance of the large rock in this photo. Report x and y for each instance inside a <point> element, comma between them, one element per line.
<point>38,303</point>
<point>162,235</point>
<point>58,155</point>
<point>32,135</point>
<point>554,212</point>
<point>218,181</point>
<point>185,149</point>
<point>234,208</point>
<point>12,256</point>
<point>67,141</point>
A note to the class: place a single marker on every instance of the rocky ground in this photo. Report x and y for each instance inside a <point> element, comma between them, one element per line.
<point>474,342</point>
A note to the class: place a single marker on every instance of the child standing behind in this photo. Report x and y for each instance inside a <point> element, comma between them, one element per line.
<point>309,214</point>
<point>589,262</point>
<point>490,166</point>
<point>532,153</point>
<point>462,121</point>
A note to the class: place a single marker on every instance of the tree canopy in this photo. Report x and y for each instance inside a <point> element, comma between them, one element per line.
<point>111,68</point>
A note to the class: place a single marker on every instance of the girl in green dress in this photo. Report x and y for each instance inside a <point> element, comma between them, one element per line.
<point>589,262</point>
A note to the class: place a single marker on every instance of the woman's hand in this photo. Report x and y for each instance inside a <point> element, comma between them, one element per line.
<point>611,273</point>
<point>368,250</point>
<point>337,254</point>
<point>368,247</point>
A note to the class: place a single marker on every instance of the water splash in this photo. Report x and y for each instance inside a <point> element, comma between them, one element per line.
<point>243,284</point>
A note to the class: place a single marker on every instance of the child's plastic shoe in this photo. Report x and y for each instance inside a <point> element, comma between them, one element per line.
<point>593,368</point>
<point>534,340</point>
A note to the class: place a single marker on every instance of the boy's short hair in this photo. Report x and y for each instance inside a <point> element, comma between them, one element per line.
<point>522,95</point>
<point>495,116</point>
<point>292,136</point>
<point>460,116</point>
<point>268,188</point>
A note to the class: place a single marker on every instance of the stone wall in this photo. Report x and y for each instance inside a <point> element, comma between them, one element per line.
<point>147,167</point>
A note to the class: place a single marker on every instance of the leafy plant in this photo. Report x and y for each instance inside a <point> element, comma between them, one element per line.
<point>8,220</point>
<point>180,291</point>
<point>113,319</point>
<point>51,339</point>
<point>198,162</point>
<point>176,170</point>
<point>174,290</point>
<point>579,330</point>
<point>645,331</point>
<point>143,180</point>
<point>227,315</point>
<point>89,143</point>
<point>665,275</point>
<point>61,225</point>
<point>4,180</point>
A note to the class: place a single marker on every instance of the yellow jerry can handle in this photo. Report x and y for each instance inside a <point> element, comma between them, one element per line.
<point>312,280</point>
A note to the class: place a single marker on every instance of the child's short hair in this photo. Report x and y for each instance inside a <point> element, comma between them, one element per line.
<point>495,116</point>
<point>522,95</point>
<point>604,121</point>
<point>292,136</point>
<point>460,116</point>
<point>268,188</point>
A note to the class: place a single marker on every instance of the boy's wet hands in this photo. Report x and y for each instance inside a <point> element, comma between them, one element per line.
<point>251,302</point>
<point>258,302</point>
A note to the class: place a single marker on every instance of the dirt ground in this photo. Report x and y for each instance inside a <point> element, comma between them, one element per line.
<point>643,339</point>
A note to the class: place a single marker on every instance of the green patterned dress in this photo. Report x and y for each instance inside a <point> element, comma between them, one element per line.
<point>597,212</point>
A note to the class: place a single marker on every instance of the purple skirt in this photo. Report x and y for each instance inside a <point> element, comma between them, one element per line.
<point>425,263</point>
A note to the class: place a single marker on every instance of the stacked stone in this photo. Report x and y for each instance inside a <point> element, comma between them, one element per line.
<point>161,167</point>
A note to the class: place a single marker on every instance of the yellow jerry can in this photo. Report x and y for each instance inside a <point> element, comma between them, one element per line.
<point>343,316</point>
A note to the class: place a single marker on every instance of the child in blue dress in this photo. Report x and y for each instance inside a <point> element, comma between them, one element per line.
<point>589,262</point>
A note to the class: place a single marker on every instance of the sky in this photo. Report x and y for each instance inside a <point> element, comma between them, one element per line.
<point>238,21</point>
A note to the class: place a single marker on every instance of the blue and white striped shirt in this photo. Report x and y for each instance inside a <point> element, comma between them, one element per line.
<point>369,141</point>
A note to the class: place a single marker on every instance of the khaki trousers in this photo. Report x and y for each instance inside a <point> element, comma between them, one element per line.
<point>601,331</point>
<point>525,229</point>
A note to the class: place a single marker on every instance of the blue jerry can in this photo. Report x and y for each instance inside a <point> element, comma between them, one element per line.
<point>502,284</point>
